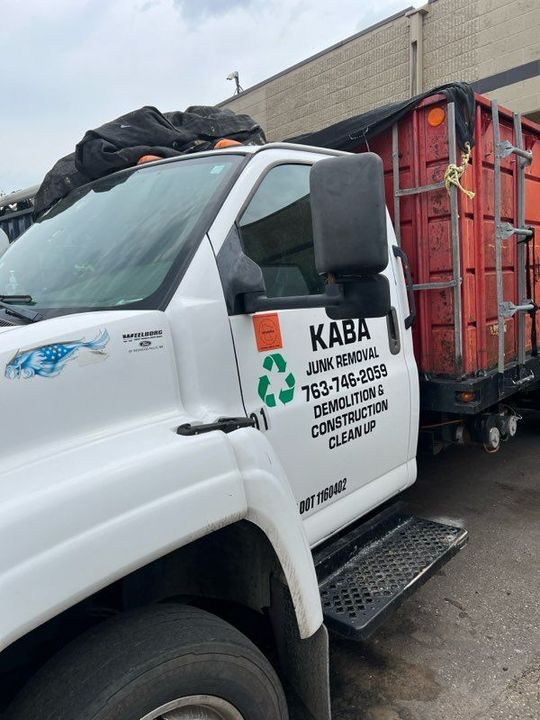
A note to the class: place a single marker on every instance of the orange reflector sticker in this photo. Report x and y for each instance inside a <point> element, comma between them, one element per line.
<point>267,332</point>
<point>436,116</point>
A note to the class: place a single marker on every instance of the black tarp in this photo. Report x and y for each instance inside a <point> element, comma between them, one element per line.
<point>119,144</point>
<point>352,133</point>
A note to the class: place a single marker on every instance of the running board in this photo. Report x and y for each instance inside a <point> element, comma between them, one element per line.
<point>367,572</point>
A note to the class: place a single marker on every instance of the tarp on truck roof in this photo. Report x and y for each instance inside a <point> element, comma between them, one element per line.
<point>120,143</point>
<point>349,134</point>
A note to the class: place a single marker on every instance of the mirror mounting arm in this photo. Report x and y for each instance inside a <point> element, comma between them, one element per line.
<point>255,302</point>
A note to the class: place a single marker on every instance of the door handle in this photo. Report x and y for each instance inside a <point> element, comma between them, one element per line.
<point>225,424</point>
<point>393,331</point>
<point>402,255</point>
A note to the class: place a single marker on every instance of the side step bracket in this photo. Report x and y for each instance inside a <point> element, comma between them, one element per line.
<point>366,573</point>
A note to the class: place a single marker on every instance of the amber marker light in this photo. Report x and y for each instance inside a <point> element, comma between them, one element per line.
<point>225,143</point>
<point>466,396</point>
<point>148,158</point>
<point>436,116</point>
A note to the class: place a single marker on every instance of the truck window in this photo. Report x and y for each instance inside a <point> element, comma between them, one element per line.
<point>118,242</point>
<point>276,232</point>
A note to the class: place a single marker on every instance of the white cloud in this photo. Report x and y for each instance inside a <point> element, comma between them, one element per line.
<point>197,9</point>
<point>70,65</point>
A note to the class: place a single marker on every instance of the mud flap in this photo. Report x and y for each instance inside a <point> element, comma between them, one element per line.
<point>304,663</point>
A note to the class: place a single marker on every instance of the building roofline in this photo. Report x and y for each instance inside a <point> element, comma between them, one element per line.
<point>309,59</point>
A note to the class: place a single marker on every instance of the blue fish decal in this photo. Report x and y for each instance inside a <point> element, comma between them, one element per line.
<point>50,360</point>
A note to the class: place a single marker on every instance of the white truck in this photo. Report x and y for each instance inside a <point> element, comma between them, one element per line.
<point>209,398</point>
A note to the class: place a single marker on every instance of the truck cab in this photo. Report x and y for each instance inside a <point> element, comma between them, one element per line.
<point>209,397</point>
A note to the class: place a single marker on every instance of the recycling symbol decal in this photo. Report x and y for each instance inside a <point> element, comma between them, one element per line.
<point>277,381</point>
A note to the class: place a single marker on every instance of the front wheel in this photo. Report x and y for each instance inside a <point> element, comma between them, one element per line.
<point>168,662</point>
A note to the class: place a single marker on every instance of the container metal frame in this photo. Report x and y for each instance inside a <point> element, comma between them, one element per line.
<point>457,280</point>
<point>504,231</point>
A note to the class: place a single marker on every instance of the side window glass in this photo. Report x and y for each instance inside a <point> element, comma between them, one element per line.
<point>276,232</point>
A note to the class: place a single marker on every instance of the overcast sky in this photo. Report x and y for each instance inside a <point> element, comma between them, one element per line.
<point>70,65</point>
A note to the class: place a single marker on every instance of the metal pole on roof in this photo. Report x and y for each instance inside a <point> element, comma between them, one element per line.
<point>235,76</point>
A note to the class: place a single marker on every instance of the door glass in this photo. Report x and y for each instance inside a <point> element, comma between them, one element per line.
<point>277,232</point>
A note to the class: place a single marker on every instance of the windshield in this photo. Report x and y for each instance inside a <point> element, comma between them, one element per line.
<point>118,241</point>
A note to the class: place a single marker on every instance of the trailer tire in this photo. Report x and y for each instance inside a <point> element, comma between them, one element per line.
<point>130,667</point>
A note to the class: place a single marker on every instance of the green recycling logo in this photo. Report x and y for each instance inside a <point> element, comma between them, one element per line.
<point>277,376</point>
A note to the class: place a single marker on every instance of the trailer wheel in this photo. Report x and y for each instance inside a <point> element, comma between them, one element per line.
<point>164,662</point>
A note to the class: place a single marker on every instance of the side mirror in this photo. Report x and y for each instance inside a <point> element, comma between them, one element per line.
<point>349,232</point>
<point>349,215</point>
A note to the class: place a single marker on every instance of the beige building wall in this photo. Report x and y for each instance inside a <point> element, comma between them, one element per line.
<point>477,39</point>
<point>358,74</point>
<point>494,44</point>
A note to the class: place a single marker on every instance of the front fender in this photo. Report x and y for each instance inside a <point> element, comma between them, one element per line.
<point>272,507</point>
<point>77,520</point>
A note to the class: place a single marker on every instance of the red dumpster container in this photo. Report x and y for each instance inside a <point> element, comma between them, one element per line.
<point>458,323</point>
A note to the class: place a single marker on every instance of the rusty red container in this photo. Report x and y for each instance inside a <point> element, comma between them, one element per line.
<point>425,231</point>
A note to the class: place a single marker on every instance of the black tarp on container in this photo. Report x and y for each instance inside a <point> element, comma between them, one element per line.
<point>119,144</point>
<point>351,133</point>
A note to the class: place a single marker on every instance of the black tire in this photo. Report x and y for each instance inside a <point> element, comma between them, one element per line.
<point>131,665</point>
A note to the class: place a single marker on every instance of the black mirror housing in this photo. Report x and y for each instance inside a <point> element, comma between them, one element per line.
<point>367,297</point>
<point>349,215</point>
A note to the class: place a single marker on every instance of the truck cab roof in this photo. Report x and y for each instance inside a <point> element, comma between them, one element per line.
<point>253,150</point>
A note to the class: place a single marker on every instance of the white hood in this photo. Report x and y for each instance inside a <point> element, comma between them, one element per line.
<point>79,376</point>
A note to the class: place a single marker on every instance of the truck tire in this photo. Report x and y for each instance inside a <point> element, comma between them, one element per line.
<point>163,662</point>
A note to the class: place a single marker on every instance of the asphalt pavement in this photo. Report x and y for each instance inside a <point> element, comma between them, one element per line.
<point>466,646</point>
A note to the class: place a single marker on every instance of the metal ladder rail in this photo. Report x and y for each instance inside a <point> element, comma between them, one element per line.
<point>503,231</point>
<point>457,280</point>
<point>522,162</point>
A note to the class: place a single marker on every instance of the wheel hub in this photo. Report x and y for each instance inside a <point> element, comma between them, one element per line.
<point>195,707</point>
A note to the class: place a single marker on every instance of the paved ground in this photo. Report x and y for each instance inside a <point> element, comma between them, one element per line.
<point>467,645</point>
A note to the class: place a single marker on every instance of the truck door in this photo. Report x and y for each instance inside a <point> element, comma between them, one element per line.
<point>333,397</point>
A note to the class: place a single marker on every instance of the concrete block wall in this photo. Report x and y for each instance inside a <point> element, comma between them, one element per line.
<point>351,79</point>
<point>475,39</point>
<point>368,70</point>
<point>509,36</point>
<point>523,97</point>
<point>462,40</point>
<point>450,29</point>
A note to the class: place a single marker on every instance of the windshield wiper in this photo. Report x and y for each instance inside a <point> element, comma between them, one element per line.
<point>21,313</point>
